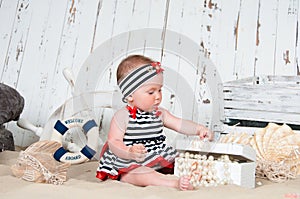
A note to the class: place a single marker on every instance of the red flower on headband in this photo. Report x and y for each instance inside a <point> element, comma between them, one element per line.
<point>132,111</point>
<point>157,67</point>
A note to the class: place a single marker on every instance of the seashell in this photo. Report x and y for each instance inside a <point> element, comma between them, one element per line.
<point>277,150</point>
<point>36,164</point>
<point>278,136</point>
<point>271,127</point>
<point>285,147</point>
<point>244,139</point>
<point>237,138</point>
<point>287,150</point>
<point>257,143</point>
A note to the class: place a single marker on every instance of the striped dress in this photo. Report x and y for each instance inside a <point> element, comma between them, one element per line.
<point>143,128</point>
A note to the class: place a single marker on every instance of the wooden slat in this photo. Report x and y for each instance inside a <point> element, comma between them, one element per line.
<point>297,47</point>
<point>104,22</point>
<point>246,39</point>
<point>17,45</point>
<point>225,21</point>
<point>287,16</point>
<point>266,106</point>
<point>262,93</point>
<point>266,37</point>
<point>75,44</point>
<point>8,9</point>
<point>175,19</point>
<point>282,81</point>
<point>262,116</point>
<point>122,16</point>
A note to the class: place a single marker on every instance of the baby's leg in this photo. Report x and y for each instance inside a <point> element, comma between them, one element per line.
<point>144,176</point>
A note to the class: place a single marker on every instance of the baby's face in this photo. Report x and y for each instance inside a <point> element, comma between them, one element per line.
<point>147,97</point>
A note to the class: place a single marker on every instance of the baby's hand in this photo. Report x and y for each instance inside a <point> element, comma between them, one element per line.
<point>138,152</point>
<point>204,132</point>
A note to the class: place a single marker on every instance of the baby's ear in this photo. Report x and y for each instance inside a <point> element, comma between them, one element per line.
<point>129,98</point>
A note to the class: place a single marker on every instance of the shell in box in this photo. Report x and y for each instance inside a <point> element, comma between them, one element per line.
<point>212,164</point>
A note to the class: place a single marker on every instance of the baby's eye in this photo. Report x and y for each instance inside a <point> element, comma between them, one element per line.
<point>150,92</point>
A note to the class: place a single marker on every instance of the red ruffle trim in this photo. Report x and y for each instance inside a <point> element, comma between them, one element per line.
<point>159,160</point>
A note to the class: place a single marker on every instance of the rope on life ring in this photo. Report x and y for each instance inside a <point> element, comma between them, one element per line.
<point>90,129</point>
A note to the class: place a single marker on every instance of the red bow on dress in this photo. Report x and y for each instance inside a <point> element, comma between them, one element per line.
<point>158,112</point>
<point>132,111</point>
<point>157,67</point>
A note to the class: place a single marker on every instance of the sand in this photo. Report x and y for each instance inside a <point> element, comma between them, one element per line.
<point>82,183</point>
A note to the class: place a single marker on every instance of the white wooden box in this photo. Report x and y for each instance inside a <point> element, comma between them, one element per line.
<point>242,173</point>
<point>261,98</point>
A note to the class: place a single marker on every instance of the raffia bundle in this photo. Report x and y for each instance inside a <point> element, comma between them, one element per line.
<point>36,164</point>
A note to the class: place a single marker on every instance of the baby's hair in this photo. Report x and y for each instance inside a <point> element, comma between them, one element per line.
<point>130,63</point>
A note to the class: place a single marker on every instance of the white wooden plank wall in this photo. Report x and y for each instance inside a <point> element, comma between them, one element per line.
<point>39,38</point>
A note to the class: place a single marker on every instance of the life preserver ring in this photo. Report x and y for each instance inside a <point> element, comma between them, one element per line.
<point>90,129</point>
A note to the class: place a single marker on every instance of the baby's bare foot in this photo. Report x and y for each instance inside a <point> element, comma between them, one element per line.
<point>184,183</point>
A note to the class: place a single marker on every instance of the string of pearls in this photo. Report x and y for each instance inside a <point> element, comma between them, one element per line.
<point>201,169</point>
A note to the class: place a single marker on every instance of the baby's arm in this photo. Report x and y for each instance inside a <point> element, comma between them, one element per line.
<point>117,146</point>
<point>186,127</point>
